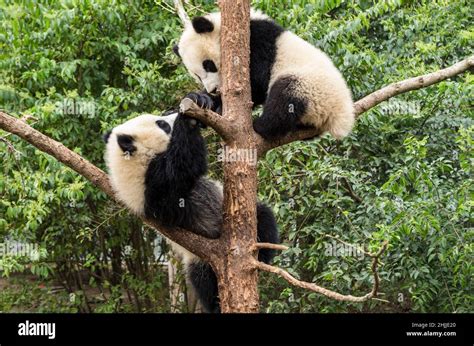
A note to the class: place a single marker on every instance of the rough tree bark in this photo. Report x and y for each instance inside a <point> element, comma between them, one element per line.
<point>236,274</point>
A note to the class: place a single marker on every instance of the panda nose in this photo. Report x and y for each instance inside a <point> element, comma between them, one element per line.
<point>164,126</point>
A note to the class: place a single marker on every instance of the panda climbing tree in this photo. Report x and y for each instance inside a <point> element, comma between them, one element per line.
<point>233,255</point>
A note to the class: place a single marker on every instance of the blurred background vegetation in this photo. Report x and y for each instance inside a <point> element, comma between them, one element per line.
<point>80,67</point>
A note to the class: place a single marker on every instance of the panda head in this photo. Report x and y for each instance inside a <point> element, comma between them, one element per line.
<point>140,138</point>
<point>129,149</point>
<point>199,49</point>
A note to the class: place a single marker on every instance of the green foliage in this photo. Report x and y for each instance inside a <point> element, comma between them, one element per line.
<point>404,175</point>
<point>33,295</point>
<point>81,67</point>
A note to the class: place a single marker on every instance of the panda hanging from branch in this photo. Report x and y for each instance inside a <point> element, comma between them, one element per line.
<point>157,167</point>
<point>297,84</point>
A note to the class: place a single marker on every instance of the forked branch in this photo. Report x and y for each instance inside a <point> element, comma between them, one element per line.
<point>324,291</point>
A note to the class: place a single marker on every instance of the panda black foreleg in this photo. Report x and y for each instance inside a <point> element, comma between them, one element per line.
<point>186,157</point>
<point>204,281</point>
<point>282,110</point>
<point>267,231</point>
<point>172,176</point>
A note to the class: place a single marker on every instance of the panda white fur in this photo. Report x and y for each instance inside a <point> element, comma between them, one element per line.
<point>157,167</point>
<point>296,82</point>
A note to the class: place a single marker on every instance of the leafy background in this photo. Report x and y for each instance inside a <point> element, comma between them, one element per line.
<point>404,175</point>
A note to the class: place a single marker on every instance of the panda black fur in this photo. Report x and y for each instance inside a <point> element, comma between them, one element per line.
<point>296,82</point>
<point>157,167</point>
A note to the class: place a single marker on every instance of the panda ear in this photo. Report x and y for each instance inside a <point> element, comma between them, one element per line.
<point>202,25</point>
<point>125,143</point>
<point>106,136</point>
<point>176,50</point>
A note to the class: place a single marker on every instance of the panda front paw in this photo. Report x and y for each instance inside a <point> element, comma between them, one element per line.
<point>203,100</point>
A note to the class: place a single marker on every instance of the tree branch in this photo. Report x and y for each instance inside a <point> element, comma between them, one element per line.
<point>374,99</point>
<point>178,5</point>
<point>351,192</point>
<point>263,145</point>
<point>410,84</point>
<point>281,247</point>
<point>198,245</point>
<point>219,123</point>
<point>324,291</point>
<point>58,150</point>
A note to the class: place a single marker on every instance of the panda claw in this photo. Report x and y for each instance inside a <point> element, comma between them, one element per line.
<point>202,100</point>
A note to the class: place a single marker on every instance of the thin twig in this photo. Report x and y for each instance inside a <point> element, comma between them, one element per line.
<point>178,5</point>
<point>281,247</point>
<point>351,191</point>
<point>10,146</point>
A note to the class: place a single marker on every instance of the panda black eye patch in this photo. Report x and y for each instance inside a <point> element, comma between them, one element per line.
<point>125,143</point>
<point>209,66</point>
<point>164,126</point>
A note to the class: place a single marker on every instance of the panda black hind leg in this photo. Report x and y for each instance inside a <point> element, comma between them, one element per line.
<point>204,281</point>
<point>267,231</point>
<point>282,110</point>
<point>202,275</point>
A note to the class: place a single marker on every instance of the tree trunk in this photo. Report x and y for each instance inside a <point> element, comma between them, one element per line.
<point>237,276</point>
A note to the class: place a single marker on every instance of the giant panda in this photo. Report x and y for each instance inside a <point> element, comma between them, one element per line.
<point>157,167</point>
<point>296,82</point>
